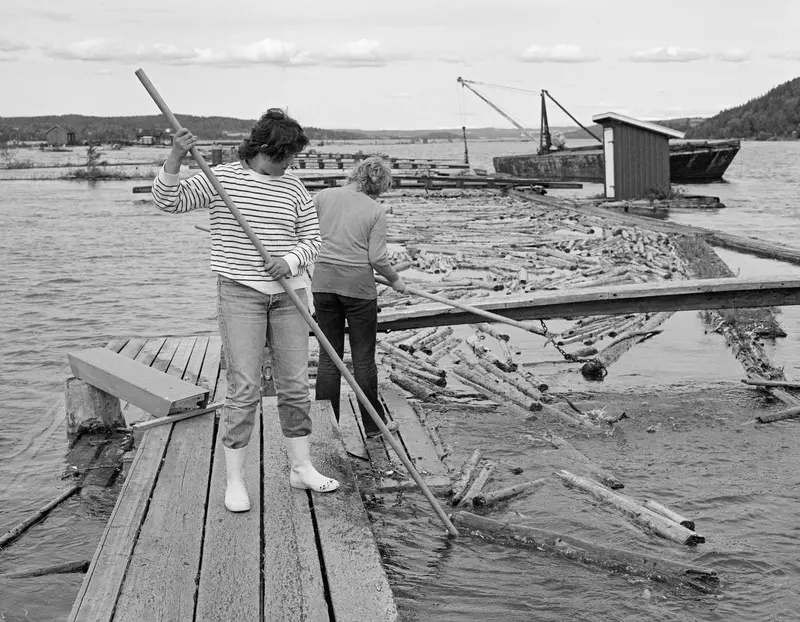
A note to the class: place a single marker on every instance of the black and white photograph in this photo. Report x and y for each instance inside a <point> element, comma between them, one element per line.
<point>399,312</point>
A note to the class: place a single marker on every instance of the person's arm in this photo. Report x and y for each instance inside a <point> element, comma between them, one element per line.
<point>309,240</point>
<point>379,254</point>
<point>172,195</point>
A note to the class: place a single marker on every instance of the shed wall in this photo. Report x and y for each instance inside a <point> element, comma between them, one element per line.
<point>641,164</point>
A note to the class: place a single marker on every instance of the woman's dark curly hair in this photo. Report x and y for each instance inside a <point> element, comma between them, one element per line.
<point>276,135</point>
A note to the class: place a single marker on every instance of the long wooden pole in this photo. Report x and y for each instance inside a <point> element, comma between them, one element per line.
<point>469,309</point>
<point>362,398</point>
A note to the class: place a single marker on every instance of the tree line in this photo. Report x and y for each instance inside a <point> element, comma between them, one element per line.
<point>774,115</point>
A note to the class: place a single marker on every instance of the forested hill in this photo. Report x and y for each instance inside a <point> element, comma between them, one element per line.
<point>775,115</point>
<point>108,129</point>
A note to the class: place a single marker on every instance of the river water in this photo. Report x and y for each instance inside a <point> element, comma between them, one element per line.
<point>84,263</point>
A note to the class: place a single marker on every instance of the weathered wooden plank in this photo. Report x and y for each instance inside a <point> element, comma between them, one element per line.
<point>357,582</point>
<point>132,348</point>
<point>293,584</point>
<point>230,572</point>
<point>115,345</point>
<point>98,594</point>
<point>147,388</point>
<point>682,295</point>
<point>161,580</point>
<point>418,444</point>
<point>350,430</point>
<point>375,448</point>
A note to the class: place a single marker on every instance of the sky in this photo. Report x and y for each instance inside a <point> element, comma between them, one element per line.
<point>395,64</point>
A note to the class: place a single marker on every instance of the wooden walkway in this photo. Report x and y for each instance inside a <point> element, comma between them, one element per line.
<point>171,551</point>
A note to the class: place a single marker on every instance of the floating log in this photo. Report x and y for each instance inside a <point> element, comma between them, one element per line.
<point>440,335</point>
<point>493,385</point>
<point>443,349</point>
<point>609,559</point>
<point>16,531</point>
<point>416,388</point>
<point>490,498</point>
<point>410,359</point>
<point>434,379</point>
<point>477,484</point>
<point>572,454</point>
<point>760,382</point>
<point>489,330</point>
<point>79,566</point>
<point>441,450</point>
<point>656,507</point>
<point>789,413</point>
<point>640,515</point>
<point>409,343</point>
<point>478,363</point>
<point>462,481</point>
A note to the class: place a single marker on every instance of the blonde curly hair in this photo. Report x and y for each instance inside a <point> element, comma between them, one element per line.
<point>371,176</point>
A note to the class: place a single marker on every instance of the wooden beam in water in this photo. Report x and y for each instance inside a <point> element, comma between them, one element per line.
<point>687,295</point>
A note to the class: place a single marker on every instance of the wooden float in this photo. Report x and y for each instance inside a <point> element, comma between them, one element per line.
<point>686,295</point>
<point>171,551</point>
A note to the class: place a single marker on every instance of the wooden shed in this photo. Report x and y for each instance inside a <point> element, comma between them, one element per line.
<point>58,136</point>
<point>636,155</point>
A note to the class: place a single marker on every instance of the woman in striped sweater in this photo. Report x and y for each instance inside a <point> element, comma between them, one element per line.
<point>252,306</point>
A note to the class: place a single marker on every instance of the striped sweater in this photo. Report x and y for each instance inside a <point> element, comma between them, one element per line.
<point>278,209</point>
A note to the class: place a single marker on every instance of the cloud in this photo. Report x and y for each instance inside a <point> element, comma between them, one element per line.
<point>787,55</point>
<point>734,55</point>
<point>557,54</point>
<point>91,50</point>
<point>265,52</point>
<point>55,16</point>
<point>453,60</point>
<point>399,95</point>
<point>361,53</point>
<point>8,46</point>
<point>667,55</point>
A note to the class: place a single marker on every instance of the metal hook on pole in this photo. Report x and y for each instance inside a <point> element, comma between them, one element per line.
<point>362,398</point>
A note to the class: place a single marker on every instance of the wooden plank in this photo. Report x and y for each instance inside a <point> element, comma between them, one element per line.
<point>375,448</point>
<point>350,430</point>
<point>293,583</point>
<point>115,345</point>
<point>685,295</point>
<point>161,580</point>
<point>133,347</point>
<point>230,572</point>
<point>357,582</point>
<point>98,594</point>
<point>418,444</point>
<point>147,388</point>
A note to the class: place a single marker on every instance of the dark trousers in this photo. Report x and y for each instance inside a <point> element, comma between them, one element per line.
<point>362,320</point>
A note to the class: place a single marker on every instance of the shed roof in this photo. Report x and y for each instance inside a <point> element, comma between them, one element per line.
<point>59,127</point>
<point>645,125</point>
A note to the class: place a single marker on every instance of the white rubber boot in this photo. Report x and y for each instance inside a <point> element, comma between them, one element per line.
<point>303,474</point>
<point>236,499</point>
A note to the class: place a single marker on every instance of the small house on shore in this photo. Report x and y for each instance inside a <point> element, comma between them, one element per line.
<point>57,136</point>
<point>636,155</point>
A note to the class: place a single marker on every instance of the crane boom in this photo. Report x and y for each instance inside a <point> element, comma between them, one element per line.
<point>466,83</point>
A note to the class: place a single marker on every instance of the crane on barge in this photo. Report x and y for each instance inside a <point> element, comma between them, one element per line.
<point>547,139</point>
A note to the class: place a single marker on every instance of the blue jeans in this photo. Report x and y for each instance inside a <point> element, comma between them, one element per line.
<point>362,321</point>
<point>248,320</point>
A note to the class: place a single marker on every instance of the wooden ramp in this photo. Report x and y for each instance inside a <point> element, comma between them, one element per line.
<point>382,467</point>
<point>171,551</point>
